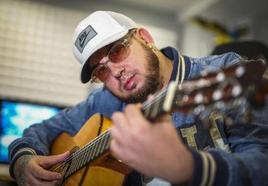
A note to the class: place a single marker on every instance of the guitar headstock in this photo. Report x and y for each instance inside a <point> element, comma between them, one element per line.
<point>229,87</point>
<point>220,89</point>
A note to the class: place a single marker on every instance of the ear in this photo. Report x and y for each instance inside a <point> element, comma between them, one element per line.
<point>145,35</point>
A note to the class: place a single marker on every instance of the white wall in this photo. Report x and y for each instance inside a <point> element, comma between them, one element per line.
<point>196,42</point>
<point>36,60</point>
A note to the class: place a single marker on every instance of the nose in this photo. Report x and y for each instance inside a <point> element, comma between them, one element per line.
<point>116,69</point>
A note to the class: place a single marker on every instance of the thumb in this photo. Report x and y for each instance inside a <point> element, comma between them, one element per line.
<point>48,161</point>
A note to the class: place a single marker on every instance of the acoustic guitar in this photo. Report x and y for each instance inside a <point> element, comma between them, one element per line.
<point>91,162</point>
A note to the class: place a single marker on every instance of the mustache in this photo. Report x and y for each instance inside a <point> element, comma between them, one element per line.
<point>130,74</point>
<point>126,75</point>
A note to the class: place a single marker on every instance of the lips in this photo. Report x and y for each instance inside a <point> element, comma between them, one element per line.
<point>129,84</point>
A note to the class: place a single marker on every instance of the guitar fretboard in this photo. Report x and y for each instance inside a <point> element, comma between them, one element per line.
<point>101,143</point>
<point>85,155</point>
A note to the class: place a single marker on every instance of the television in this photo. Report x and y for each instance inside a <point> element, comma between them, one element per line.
<point>15,116</point>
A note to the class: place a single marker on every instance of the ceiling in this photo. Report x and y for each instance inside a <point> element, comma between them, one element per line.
<point>178,7</point>
<point>162,5</point>
<point>213,9</point>
<point>224,10</point>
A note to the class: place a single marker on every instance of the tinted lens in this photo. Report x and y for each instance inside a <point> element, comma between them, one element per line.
<point>118,52</point>
<point>101,73</point>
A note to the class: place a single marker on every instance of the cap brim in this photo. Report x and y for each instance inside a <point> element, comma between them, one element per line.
<point>85,72</point>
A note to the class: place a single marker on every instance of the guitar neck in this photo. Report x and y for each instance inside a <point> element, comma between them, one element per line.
<point>101,143</point>
<point>85,155</point>
<point>154,108</point>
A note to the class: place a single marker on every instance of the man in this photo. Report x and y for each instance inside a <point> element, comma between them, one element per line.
<point>113,50</point>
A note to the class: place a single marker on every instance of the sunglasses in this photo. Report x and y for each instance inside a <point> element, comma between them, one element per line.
<point>117,53</point>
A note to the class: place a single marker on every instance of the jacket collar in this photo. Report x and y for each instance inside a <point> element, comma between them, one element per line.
<point>174,55</point>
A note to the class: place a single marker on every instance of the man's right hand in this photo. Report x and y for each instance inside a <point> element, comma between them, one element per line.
<point>32,170</point>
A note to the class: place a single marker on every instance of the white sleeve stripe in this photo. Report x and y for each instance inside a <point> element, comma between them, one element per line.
<point>212,169</point>
<point>205,169</point>
<point>23,150</point>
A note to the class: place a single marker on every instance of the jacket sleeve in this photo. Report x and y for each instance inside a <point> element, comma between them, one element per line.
<point>37,138</point>
<point>212,63</point>
<point>246,165</point>
<point>248,161</point>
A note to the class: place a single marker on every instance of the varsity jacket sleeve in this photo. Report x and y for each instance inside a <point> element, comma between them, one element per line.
<point>246,165</point>
<point>37,138</point>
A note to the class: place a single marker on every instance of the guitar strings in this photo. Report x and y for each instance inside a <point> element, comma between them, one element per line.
<point>159,96</point>
<point>83,149</point>
<point>88,147</point>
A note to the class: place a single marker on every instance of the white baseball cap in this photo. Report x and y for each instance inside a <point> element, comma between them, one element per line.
<point>96,31</point>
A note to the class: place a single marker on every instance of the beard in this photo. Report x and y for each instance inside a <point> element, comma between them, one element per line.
<point>153,81</point>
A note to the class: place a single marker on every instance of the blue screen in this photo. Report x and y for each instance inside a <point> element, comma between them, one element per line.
<point>15,117</point>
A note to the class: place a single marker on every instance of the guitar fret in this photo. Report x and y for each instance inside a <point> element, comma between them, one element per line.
<point>84,158</point>
<point>76,163</point>
<point>89,153</point>
<point>93,149</point>
<point>146,113</point>
<point>68,173</point>
<point>107,141</point>
<point>79,164</point>
<point>160,110</point>
<point>102,140</point>
<point>155,110</point>
<point>65,169</point>
<point>97,148</point>
<point>81,160</point>
<point>72,168</point>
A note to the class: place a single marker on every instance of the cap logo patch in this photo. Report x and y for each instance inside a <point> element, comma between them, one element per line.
<point>84,37</point>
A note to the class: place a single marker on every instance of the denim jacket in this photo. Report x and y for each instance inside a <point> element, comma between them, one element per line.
<point>236,156</point>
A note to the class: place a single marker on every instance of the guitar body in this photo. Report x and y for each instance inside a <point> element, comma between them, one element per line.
<point>105,170</point>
